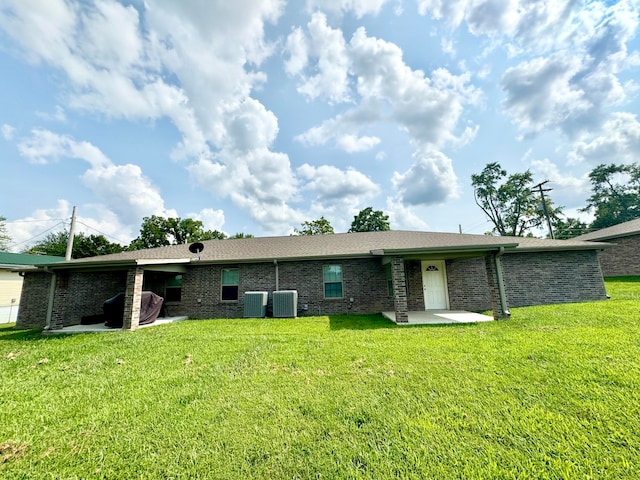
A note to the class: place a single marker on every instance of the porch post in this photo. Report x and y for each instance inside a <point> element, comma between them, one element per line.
<point>399,282</point>
<point>133,298</point>
<point>499,302</point>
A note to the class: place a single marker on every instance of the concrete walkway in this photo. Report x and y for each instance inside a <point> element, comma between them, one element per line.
<point>437,317</point>
<point>100,327</point>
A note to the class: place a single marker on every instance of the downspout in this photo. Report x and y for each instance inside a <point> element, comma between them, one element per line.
<point>501,291</point>
<point>52,292</point>
<point>275,262</point>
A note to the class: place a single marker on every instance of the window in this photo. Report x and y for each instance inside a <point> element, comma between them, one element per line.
<point>173,288</point>
<point>230,278</point>
<point>332,276</point>
<point>387,268</point>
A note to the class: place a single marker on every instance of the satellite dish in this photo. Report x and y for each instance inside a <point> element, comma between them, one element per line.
<point>196,247</point>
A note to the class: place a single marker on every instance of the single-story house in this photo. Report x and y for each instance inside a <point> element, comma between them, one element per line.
<point>358,273</point>
<point>11,280</point>
<point>623,258</point>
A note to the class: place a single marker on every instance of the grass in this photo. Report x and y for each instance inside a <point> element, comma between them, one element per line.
<point>552,393</point>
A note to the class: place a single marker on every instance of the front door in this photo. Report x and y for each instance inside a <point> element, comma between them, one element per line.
<point>434,285</point>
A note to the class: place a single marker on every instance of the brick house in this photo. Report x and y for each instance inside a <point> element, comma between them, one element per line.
<point>358,273</point>
<point>623,257</point>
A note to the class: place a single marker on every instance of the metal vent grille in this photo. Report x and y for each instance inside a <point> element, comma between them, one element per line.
<point>285,303</point>
<point>255,304</point>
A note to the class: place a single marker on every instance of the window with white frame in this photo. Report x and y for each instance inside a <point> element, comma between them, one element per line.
<point>230,278</point>
<point>332,277</point>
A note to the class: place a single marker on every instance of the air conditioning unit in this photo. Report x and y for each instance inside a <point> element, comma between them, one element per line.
<point>255,304</point>
<point>285,303</point>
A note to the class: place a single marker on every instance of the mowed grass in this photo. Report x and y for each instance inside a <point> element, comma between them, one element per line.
<point>552,393</point>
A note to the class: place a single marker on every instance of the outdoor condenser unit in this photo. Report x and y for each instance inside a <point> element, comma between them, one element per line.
<point>255,304</point>
<point>285,303</point>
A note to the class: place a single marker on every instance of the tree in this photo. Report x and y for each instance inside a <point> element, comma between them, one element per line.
<point>370,220</point>
<point>568,227</point>
<point>616,194</point>
<point>83,246</point>
<point>510,204</point>
<point>159,231</point>
<point>241,235</point>
<point>320,226</point>
<point>5,238</point>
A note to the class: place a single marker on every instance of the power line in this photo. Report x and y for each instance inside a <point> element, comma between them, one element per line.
<point>37,235</point>
<point>102,233</point>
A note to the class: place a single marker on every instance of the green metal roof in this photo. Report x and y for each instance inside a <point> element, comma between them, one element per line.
<point>25,259</point>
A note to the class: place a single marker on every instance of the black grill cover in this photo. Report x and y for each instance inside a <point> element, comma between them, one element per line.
<point>149,309</point>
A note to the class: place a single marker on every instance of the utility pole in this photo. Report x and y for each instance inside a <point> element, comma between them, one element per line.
<point>72,231</point>
<point>544,204</point>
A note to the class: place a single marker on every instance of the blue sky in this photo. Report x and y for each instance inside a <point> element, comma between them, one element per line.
<point>256,115</point>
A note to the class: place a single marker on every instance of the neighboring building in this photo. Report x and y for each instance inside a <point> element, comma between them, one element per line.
<point>11,280</point>
<point>623,258</point>
<point>358,273</point>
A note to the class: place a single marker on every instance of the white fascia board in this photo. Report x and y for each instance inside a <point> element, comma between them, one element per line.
<point>161,261</point>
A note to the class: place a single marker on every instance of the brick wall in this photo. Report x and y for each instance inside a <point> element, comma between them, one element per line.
<point>83,293</point>
<point>34,300</point>
<point>552,277</point>
<point>468,284</point>
<point>623,258</point>
<point>364,281</point>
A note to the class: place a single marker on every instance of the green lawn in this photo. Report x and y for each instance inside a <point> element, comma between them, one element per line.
<point>552,393</point>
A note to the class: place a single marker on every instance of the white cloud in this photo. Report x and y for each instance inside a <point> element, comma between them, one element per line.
<point>333,185</point>
<point>430,180</point>
<point>351,143</point>
<point>123,188</point>
<point>617,142</point>
<point>359,8</point>
<point>403,217</point>
<point>7,131</point>
<point>328,47</point>
<point>211,219</point>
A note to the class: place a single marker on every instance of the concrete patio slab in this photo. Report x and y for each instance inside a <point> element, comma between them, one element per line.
<point>100,327</point>
<point>440,317</point>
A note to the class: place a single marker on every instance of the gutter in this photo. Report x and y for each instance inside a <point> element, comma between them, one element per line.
<point>52,292</point>
<point>501,290</point>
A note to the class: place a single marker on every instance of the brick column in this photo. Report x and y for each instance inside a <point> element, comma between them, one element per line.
<point>133,298</point>
<point>499,310</point>
<point>399,281</point>
<point>59,306</point>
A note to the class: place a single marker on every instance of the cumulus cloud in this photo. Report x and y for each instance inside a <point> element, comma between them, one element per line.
<point>403,217</point>
<point>359,8</point>
<point>617,142</point>
<point>328,47</point>
<point>567,189</point>
<point>124,189</point>
<point>333,185</point>
<point>430,180</point>
<point>7,131</point>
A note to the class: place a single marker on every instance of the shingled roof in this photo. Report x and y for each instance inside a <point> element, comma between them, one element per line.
<point>632,227</point>
<point>340,245</point>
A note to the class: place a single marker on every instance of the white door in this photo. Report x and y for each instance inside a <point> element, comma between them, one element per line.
<point>434,285</point>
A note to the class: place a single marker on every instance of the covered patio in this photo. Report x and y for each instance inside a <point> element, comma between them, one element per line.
<point>101,327</point>
<point>439,317</point>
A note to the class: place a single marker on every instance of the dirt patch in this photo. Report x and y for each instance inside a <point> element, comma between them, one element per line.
<point>11,451</point>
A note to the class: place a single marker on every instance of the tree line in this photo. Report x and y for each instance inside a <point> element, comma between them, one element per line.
<point>509,201</point>
<point>513,206</point>
<point>157,231</point>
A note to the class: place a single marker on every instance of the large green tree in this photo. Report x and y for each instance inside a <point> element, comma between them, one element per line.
<point>616,194</point>
<point>320,226</point>
<point>83,245</point>
<point>5,238</point>
<point>508,201</point>
<point>370,220</point>
<point>159,231</point>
